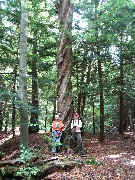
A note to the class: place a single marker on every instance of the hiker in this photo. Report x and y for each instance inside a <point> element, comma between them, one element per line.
<point>57,127</point>
<point>76,125</point>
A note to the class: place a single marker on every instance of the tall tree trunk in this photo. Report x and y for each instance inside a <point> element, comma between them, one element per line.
<point>85,80</point>
<point>34,125</point>
<point>5,119</point>
<point>1,103</point>
<point>101,102</point>
<point>1,117</point>
<point>13,105</point>
<point>100,76</point>
<point>23,76</point>
<point>1,86</point>
<point>64,87</point>
<point>64,60</point>
<point>93,107</point>
<point>131,121</point>
<point>121,90</point>
<point>79,102</point>
<point>86,83</point>
<point>46,113</point>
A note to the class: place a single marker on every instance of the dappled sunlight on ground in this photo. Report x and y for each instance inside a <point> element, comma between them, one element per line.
<point>11,155</point>
<point>6,138</point>
<point>124,158</point>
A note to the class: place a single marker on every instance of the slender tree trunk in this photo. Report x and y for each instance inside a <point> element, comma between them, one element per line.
<point>93,107</point>
<point>34,124</point>
<point>46,112</point>
<point>6,121</point>
<point>1,103</point>
<point>4,115</point>
<point>85,79</point>
<point>1,117</point>
<point>100,76</point>
<point>1,82</point>
<point>84,93</point>
<point>23,76</point>
<point>13,105</point>
<point>121,90</point>
<point>131,122</point>
<point>101,96</point>
<point>101,102</point>
<point>79,102</point>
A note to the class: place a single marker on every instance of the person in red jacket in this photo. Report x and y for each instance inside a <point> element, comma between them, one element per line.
<point>57,128</point>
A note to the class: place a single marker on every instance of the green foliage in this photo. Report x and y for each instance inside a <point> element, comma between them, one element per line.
<point>48,137</point>
<point>7,170</point>
<point>58,144</point>
<point>25,156</point>
<point>107,19</point>
<point>92,161</point>
<point>28,171</point>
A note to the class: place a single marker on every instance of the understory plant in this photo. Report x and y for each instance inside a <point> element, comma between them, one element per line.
<point>26,169</point>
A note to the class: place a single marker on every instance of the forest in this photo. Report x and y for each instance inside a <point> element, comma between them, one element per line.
<point>66,56</point>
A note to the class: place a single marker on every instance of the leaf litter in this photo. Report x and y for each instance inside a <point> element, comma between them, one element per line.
<point>112,160</point>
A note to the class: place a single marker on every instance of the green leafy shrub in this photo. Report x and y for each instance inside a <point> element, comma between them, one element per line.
<point>92,161</point>
<point>25,156</point>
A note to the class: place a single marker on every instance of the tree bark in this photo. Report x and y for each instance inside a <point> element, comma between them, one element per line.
<point>1,103</point>
<point>101,102</point>
<point>34,124</point>
<point>13,105</point>
<point>100,74</point>
<point>23,76</point>
<point>64,60</point>
<point>121,90</point>
<point>94,128</point>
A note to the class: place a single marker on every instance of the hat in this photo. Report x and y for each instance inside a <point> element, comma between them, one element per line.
<point>56,116</point>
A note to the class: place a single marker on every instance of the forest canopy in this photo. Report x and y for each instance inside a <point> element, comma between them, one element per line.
<point>101,39</point>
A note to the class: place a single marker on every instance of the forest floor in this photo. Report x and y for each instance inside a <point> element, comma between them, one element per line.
<point>112,160</point>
